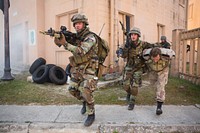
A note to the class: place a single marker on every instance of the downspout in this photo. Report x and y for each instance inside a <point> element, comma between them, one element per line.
<point>111,30</point>
<point>186,22</point>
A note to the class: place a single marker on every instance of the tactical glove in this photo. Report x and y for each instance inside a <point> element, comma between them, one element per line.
<point>119,52</point>
<point>60,41</point>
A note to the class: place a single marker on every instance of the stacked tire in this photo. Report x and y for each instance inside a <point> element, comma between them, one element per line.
<point>42,72</point>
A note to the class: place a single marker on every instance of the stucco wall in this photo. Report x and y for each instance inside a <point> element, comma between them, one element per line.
<point>193,14</point>
<point>34,15</point>
<point>23,21</point>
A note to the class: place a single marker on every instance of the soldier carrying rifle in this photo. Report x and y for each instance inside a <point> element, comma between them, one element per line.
<point>133,70</point>
<point>84,64</point>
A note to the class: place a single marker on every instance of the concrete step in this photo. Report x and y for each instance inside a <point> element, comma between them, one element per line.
<point>109,119</point>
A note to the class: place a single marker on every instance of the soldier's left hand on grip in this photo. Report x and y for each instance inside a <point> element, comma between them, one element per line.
<point>60,41</point>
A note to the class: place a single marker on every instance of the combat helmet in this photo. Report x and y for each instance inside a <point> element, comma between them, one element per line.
<point>163,38</point>
<point>135,30</point>
<point>79,18</point>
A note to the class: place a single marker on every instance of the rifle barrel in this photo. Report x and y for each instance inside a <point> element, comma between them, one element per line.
<point>52,34</point>
<point>43,32</point>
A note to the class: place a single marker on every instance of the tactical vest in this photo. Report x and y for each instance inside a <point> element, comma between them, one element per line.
<point>91,54</point>
<point>135,60</point>
<point>98,52</point>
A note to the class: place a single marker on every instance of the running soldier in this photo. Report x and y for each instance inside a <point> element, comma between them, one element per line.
<point>134,67</point>
<point>164,43</point>
<point>84,64</point>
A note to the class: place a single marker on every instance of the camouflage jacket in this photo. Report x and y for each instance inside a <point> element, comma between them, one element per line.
<point>165,45</point>
<point>133,54</point>
<point>83,49</point>
<point>158,66</point>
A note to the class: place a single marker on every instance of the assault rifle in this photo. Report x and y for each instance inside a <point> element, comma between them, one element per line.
<point>127,45</point>
<point>126,34</point>
<point>69,36</point>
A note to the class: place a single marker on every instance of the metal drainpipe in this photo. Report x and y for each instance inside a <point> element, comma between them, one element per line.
<point>7,71</point>
<point>186,23</point>
<point>112,15</point>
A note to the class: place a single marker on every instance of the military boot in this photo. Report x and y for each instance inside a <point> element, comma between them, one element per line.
<point>89,120</point>
<point>159,108</point>
<point>131,104</point>
<point>83,110</point>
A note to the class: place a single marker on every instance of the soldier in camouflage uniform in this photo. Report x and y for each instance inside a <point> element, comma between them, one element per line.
<point>84,64</point>
<point>158,75</point>
<point>134,67</point>
<point>164,43</point>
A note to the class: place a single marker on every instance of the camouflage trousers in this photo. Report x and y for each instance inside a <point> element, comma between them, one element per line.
<point>82,87</point>
<point>159,80</point>
<point>132,82</point>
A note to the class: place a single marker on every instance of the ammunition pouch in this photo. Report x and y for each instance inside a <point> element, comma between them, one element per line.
<point>77,60</point>
<point>81,59</point>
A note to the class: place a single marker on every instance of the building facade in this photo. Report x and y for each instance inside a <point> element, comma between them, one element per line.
<point>193,14</point>
<point>28,17</point>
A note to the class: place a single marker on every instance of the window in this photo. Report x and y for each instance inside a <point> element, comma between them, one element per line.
<point>190,11</point>
<point>182,3</point>
<point>65,20</point>
<point>161,31</point>
<point>174,15</point>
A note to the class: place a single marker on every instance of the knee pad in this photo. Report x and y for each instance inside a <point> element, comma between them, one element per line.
<point>133,90</point>
<point>126,88</point>
<point>72,88</point>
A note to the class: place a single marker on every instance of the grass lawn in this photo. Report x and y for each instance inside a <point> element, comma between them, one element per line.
<point>21,92</point>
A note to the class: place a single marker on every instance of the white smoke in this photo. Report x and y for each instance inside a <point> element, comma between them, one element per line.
<point>17,47</point>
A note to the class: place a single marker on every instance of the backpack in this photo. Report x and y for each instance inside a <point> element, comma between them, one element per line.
<point>103,50</point>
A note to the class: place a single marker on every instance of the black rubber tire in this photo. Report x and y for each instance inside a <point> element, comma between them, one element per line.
<point>57,75</point>
<point>49,67</point>
<point>37,63</point>
<point>40,75</point>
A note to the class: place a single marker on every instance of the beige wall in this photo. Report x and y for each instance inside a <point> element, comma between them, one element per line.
<point>60,13</point>
<point>39,15</point>
<point>193,14</point>
<point>146,15</point>
<point>24,16</point>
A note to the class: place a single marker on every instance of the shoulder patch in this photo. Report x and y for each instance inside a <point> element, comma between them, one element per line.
<point>90,38</point>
